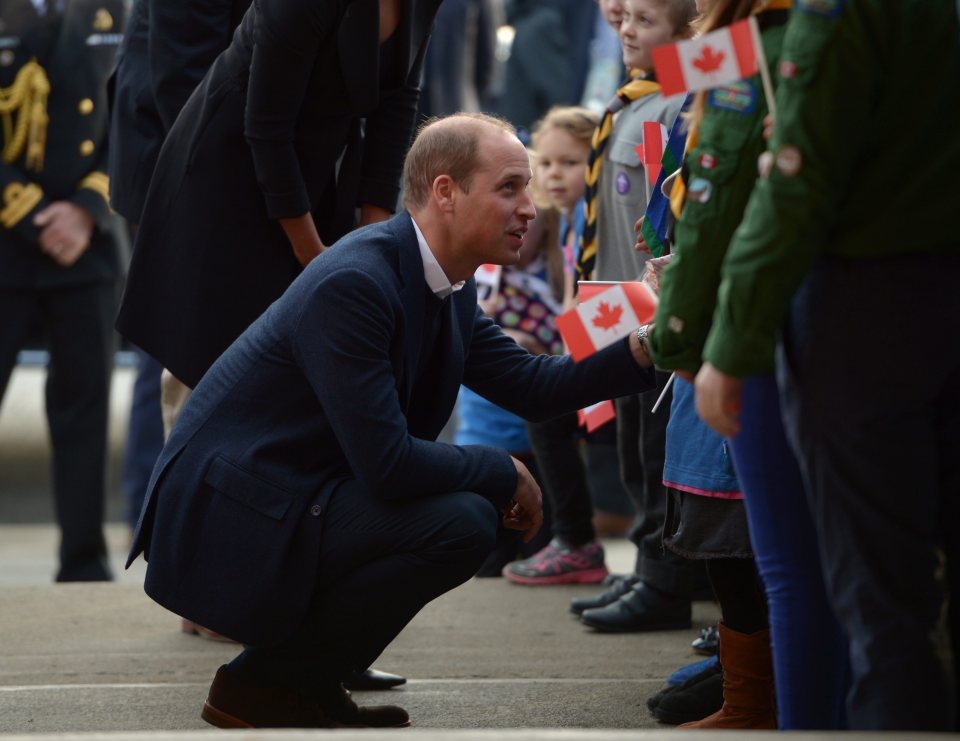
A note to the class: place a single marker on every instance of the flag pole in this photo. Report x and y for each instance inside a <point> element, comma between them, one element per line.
<point>762,64</point>
<point>663,393</point>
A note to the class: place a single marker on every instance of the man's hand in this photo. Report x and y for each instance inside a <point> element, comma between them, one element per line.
<point>525,510</point>
<point>66,229</point>
<point>719,400</point>
<point>641,245</point>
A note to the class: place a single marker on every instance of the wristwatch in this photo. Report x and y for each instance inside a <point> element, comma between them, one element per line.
<point>642,337</point>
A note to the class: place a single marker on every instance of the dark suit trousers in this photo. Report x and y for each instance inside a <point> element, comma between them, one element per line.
<point>78,327</point>
<point>380,563</point>
<point>641,442</point>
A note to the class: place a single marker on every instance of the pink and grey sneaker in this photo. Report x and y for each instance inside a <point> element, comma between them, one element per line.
<point>559,563</point>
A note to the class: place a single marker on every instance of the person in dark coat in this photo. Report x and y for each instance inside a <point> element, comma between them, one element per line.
<point>59,245</point>
<point>303,119</point>
<point>168,47</point>
<point>302,504</point>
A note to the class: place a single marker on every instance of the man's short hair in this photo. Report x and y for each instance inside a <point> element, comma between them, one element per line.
<point>446,146</point>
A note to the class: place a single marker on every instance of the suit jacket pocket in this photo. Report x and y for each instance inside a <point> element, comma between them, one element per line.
<point>248,489</point>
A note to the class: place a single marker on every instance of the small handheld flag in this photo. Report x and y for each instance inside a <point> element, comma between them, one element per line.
<point>654,138</point>
<point>488,280</point>
<point>714,59</point>
<point>606,317</point>
<point>707,61</point>
<point>596,415</point>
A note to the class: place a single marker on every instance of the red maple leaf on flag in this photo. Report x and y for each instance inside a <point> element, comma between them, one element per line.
<point>710,60</point>
<point>607,317</point>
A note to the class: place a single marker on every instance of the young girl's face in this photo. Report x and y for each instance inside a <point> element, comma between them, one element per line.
<point>561,167</point>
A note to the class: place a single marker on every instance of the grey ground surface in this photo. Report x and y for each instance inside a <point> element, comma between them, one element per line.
<point>487,661</point>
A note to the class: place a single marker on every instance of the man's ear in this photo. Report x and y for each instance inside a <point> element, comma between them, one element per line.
<point>444,192</point>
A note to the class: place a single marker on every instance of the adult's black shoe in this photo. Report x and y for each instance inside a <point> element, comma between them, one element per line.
<point>618,585</point>
<point>234,703</point>
<point>692,701</point>
<point>372,680</point>
<point>640,609</point>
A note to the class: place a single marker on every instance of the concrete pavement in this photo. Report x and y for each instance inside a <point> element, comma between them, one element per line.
<point>488,661</point>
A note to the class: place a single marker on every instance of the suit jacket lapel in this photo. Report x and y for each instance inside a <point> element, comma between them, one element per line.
<point>412,296</point>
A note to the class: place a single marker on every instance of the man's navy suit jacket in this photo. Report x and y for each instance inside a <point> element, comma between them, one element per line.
<point>351,374</point>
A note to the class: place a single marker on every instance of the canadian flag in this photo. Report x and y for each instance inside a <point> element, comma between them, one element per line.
<point>722,56</point>
<point>488,280</point>
<point>603,318</point>
<point>596,415</point>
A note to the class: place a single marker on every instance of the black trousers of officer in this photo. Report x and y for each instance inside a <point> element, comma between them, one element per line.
<point>870,379</point>
<point>78,327</point>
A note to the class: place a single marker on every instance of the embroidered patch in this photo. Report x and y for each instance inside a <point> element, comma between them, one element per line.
<point>675,324</point>
<point>700,190</point>
<point>789,161</point>
<point>6,58</point>
<point>828,8</point>
<point>104,39</point>
<point>788,69</point>
<point>9,42</point>
<point>765,164</point>
<point>707,161</point>
<point>102,20</point>
<point>623,183</point>
<point>739,97</point>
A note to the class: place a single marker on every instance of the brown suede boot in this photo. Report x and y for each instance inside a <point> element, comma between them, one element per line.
<point>748,697</point>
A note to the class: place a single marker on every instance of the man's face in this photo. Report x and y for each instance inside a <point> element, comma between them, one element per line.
<point>646,25</point>
<point>491,218</point>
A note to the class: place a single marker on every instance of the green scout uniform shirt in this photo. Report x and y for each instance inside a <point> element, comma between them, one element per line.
<point>867,159</point>
<point>722,169</point>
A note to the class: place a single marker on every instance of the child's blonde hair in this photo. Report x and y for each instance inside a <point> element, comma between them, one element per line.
<point>575,120</point>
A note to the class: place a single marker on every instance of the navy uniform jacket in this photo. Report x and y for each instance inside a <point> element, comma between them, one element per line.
<point>167,48</point>
<point>259,140</point>
<point>342,378</point>
<point>68,51</point>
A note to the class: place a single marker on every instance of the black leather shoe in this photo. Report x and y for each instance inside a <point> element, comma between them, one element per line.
<point>235,703</point>
<point>640,609</point>
<point>692,700</point>
<point>372,680</point>
<point>702,675</point>
<point>619,585</point>
<point>337,704</point>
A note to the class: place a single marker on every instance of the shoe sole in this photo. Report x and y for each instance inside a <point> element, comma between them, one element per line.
<point>590,576</point>
<point>220,719</point>
<point>650,627</point>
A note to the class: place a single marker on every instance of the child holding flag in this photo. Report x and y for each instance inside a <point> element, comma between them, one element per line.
<point>657,596</point>
<point>725,140</point>
<point>574,556</point>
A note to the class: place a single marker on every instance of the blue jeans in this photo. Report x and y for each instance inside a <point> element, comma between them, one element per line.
<point>809,649</point>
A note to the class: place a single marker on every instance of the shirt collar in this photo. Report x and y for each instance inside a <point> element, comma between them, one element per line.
<point>437,280</point>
